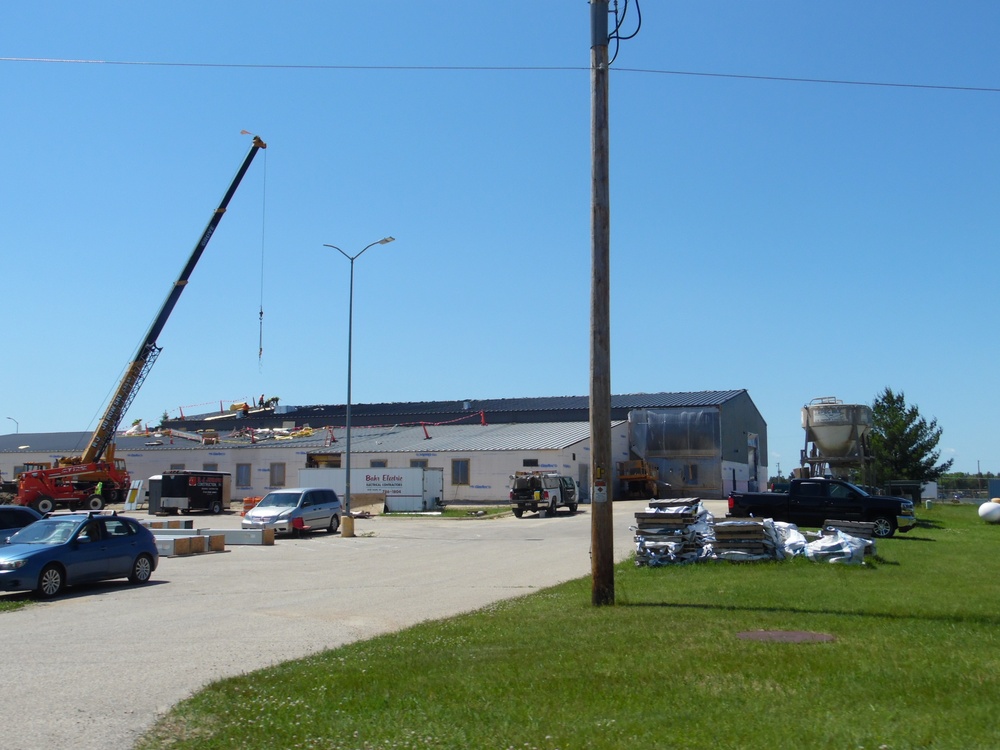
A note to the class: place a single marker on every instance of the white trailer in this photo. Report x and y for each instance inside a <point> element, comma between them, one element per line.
<point>410,489</point>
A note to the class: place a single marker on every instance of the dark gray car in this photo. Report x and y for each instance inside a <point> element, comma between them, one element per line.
<point>295,511</point>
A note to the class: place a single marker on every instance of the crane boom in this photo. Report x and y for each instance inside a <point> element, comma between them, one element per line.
<point>143,360</point>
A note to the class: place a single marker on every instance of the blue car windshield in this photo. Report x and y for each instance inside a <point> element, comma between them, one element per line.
<point>47,531</point>
<point>280,500</point>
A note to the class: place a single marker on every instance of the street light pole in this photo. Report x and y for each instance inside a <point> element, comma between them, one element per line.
<point>349,526</point>
<point>17,426</point>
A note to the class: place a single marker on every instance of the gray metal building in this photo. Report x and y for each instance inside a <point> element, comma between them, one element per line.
<point>703,443</point>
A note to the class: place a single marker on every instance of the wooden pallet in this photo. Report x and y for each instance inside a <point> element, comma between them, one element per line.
<point>742,536</point>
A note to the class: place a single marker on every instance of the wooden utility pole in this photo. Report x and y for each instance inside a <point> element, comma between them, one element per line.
<point>601,470</point>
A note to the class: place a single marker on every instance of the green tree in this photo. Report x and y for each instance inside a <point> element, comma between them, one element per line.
<point>903,443</point>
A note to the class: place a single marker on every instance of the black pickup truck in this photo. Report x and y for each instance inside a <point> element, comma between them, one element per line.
<point>810,502</point>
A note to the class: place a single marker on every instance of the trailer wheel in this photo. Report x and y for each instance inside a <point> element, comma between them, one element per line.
<point>44,504</point>
<point>518,512</point>
<point>216,507</point>
<point>95,502</point>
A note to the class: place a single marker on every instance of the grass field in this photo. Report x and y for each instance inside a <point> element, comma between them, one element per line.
<point>914,663</point>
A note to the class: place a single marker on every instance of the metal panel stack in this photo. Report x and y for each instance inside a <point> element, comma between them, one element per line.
<point>743,540</point>
<point>672,531</point>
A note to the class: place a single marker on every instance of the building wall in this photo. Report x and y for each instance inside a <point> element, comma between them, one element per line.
<point>699,450</point>
<point>488,476</point>
<point>740,417</point>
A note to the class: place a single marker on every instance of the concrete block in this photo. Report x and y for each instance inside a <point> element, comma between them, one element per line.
<point>173,523</point>
<point>170,546</point>
<point>179,532</point>
<point>216,542</point>
<point>246,536</point>
<point>199,544</point>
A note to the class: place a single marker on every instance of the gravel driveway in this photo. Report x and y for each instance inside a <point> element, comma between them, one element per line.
<point>93,669</point>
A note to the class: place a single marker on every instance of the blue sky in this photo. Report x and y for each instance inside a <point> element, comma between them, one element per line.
<point>795,239</point>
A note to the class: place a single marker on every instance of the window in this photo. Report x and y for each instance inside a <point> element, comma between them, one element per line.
<point>243,475</point>
<point>459,471</point>
<point>115,527</point>
<point>378,463</point>
<point>811,489</point>
<point>210,467</point>
<point>176,467</point>
<point>418,463</point>
<point>277,475</point>
<point>530,462</point>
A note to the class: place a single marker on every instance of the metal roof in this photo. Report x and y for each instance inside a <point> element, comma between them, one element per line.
<point>543,403</point>
<point>475,437</point>
<point>535,423</point>
<point>396,439</point>
<point>519,410</point>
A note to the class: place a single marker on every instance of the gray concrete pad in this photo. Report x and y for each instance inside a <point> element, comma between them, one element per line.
<point>94,668</point>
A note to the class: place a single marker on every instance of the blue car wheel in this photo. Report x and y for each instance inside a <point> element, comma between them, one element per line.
<point>142,569</point>
<point>51,581</point>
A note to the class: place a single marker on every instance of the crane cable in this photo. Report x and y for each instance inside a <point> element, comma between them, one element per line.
<point>263,219</point>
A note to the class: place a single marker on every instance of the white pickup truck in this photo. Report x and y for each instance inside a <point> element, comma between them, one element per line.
<point>541,493</point>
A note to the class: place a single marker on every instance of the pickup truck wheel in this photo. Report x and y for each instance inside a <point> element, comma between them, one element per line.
<point>552,509</point>
<point>884,527</point>
<point>518,512</point>
<point>572,508</point>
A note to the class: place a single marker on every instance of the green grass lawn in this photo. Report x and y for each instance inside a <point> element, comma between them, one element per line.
<point>915,663</point>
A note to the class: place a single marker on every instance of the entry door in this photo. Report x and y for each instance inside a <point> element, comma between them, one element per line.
<point>583,472</point>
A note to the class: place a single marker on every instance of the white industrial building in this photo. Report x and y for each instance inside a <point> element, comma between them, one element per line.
<point>704,443</point>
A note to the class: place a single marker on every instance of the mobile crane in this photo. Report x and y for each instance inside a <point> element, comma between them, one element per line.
<point>97,475</point>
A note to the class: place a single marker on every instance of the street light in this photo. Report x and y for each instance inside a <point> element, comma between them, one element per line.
<point>17,427</point>
<point>350,326</point>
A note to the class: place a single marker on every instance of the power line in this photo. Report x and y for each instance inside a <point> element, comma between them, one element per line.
<point>830,81</point>
<point>510,68</point>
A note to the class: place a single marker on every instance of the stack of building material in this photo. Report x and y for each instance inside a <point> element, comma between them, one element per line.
<point>859,529</point>
<point>672,531</point>
<point>747,539</point>
<point>835,546</point>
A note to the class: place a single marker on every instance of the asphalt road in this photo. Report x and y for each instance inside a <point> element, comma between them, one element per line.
<point>93,669</point>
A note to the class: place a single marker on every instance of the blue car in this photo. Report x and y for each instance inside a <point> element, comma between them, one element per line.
<point>63,550</point>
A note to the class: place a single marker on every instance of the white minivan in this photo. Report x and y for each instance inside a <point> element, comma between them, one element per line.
<point>296,511</point>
